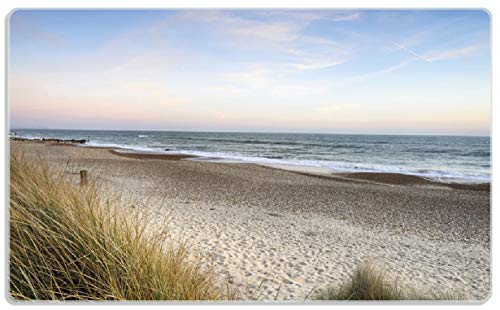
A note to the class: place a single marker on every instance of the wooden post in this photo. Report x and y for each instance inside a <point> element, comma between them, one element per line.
<point>83,177</point>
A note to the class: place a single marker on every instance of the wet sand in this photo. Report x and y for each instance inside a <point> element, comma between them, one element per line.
<point>402,179</point>
<point>288,234</point>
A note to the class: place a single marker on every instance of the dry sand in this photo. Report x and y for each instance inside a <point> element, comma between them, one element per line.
<point>282,234</point>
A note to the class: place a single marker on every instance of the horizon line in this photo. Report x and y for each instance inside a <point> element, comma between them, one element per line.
<point>267,132</point>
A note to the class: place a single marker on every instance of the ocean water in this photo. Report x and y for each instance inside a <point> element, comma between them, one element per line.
<point>442,158</point>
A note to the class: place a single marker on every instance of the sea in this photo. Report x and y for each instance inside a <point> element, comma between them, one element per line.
<point>463,159</point>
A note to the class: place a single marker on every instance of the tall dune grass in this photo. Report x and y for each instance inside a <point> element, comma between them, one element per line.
<point>67,243</point>
<point>371,283</point>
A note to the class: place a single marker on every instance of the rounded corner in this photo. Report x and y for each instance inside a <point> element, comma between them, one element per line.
<point>487,12</point>
<point>11,299</point>
<point>11,13</point>
<point>486,298</point>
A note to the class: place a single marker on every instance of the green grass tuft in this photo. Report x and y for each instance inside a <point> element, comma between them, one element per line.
<point>370,283</point>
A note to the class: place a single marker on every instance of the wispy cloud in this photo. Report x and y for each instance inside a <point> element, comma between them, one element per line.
<point>316,65</point>
<point>445,54</point>
<point>285,35</point>
<point>241,28</point>
<point>453,53</point>
<point>412,52</point>
<point>428,58</point>
<point>269,32</point>
<point>337,16</point>
<point>378,73</point>
<point>328,55</point>
<point>261,80</point>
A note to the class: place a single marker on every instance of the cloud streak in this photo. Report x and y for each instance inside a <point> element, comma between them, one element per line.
<point>339,16</point>
<point>411,52</point>
<point>378,73</point>
<point>438,55</point>
<point>285,35</point>
<point>453,53</point>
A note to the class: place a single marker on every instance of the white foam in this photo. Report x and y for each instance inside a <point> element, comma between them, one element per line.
<point>324,167</point>
<point>126,147</point>
<point>315,166</point>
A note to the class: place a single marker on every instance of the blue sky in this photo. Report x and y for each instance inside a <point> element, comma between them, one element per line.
<point>408,72</point>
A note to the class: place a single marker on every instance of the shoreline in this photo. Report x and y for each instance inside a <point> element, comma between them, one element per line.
<point>377,177</point>
<point>393,178</point>
<point>273,230</point>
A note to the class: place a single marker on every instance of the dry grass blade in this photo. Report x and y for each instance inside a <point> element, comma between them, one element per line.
<point>66,243</point>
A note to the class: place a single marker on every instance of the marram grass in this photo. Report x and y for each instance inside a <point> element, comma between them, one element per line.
<point>67,243</point>
<point>369,282</point>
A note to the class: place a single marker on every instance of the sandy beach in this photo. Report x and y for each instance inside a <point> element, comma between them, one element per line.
<point>284,235</point>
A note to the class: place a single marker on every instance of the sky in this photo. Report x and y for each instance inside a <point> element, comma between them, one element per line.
<point>328,71</point>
